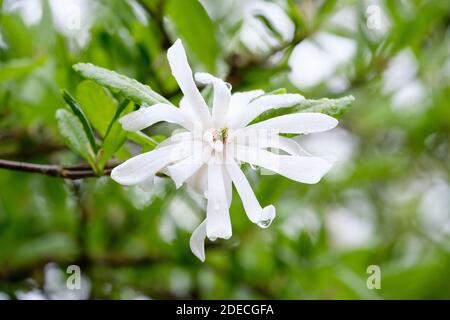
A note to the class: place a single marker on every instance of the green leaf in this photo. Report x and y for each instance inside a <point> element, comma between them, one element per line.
<point>76,109</point>
<point>17,68</point>
<point>195,28</point>
<point>73,132</point>
<point>331,107</point>
<point>127,87</point>
<point>115,136</point>
<point>97,104</point>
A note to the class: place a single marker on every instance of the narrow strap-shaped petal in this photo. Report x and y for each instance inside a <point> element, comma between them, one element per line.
<point>262,104</point>
<point>254,211</point>
<point>297,123</point>
<point>240,100</point>
<point>222,95</point>
<point>184,169</point>
<point>267,140</point>
<point>147,116</point>
<point>218,224</point>
<point>197,241</point>
<point>302,169</point>
<point>199,180</point>
<point>138,169</point>
<point>183,74</point>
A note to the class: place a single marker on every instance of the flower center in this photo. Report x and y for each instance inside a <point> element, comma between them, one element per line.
<point>216,138</point>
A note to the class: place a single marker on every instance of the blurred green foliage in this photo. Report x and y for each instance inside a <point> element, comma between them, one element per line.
<point>387,205</point>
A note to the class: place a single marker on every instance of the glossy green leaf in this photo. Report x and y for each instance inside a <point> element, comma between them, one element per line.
<point>74,135</point>
<point>127,87</point>
<point>97,104</point>
<point>76,109</point>
<point>115,136</point>
<point>331,107</point>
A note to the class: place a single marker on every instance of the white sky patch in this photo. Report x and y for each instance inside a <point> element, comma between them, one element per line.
<point>315,60</point>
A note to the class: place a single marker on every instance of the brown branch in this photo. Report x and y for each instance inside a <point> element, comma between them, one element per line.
<point>55,170</point>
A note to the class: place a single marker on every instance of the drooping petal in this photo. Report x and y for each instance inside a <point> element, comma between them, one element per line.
<point>184,169</point>
<point>222,95</point>
<point>261,216</point>
<point>297,123</point>
<point>147,116</point>
<point>138,169</point>
<point>262,104</point>
<point>183,74</point>
<point>240,100</point>
<point>218,223</point>
<point>302,169</point>
<point>197,241</point>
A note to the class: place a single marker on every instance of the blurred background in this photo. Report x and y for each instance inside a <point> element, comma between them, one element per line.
<point>385,203</point>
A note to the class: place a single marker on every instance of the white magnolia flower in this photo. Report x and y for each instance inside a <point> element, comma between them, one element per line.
<point>208,152</point>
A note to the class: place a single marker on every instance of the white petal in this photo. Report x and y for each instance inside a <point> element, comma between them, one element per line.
<point>302,169</point>
<point>228,187</point>
<point>262,104</point>
<point>254,211</point>
<point>183,74</point>
<point>177,137</point>
<point>297,123</point>
<point>197,241</point>
<point>218,224</point>
<point>240,100</point>
<point>148,184</point>
<point>222,95</point>
<point>199,181</point>
<point>267,140</point>
<point>184,169</point>
<point>147,116</point>
<point>138,169</point>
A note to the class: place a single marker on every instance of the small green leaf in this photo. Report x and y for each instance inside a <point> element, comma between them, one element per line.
<point>115,136</point>
<point>73,132</point>
<point>331,107</point>
<point>195,28</point>
<point>76,109</point>
<point>97,104</point>
<point>127,87</point>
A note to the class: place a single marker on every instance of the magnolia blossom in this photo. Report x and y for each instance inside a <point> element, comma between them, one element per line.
<point>208,151</point>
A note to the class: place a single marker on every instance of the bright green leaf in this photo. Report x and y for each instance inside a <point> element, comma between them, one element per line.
<point>97,104</point>
<point>127,87</point>
<point>76,109</point>
<point>331,107</point>
<point>73,132</point>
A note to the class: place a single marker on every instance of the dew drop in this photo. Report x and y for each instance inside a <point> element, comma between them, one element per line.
<point>264,223</point>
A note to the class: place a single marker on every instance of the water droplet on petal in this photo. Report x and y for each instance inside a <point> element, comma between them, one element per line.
<point>216,207</point>
<point>264,223</point>
<point>252,166</point>
<point>205,194</point>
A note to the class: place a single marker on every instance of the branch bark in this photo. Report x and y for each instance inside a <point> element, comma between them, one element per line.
<point>55,170</point>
